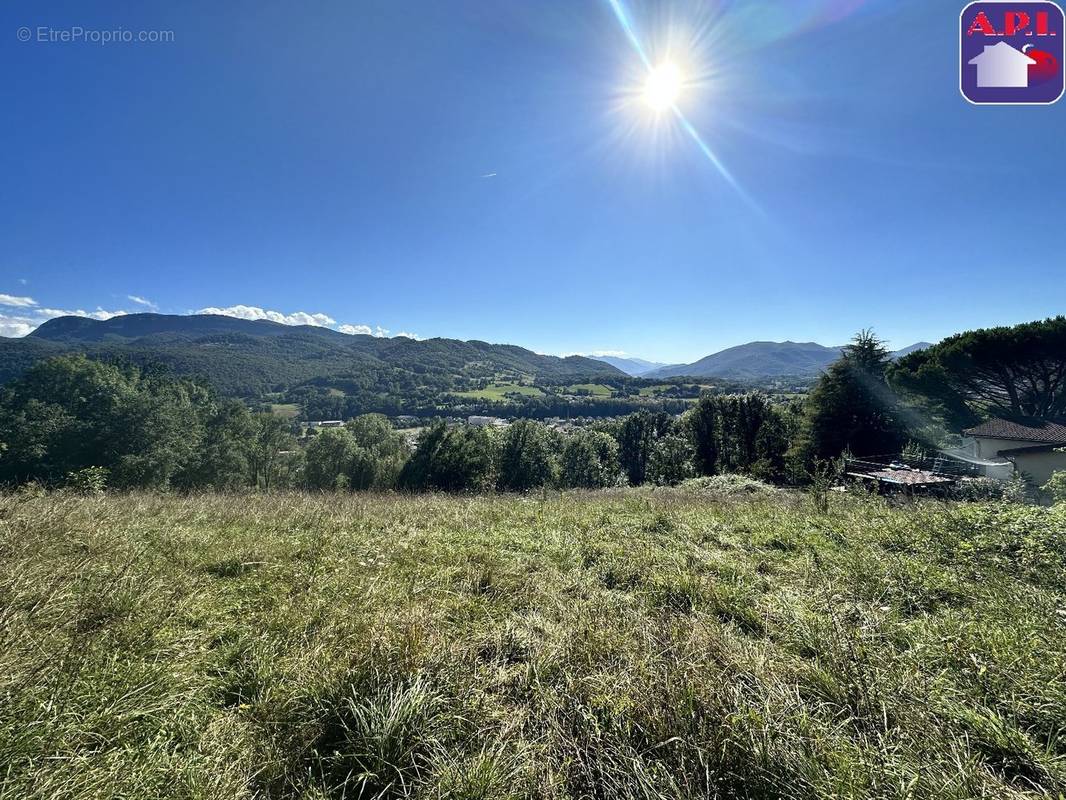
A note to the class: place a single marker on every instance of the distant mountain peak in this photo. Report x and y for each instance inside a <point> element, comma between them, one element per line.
<point>763,360</point>
<point>630,365</point>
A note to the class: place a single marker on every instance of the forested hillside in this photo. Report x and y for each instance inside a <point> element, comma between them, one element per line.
<point>252,358</point>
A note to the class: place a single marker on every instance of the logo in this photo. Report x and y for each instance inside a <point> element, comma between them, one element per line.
<point>1012,53</point>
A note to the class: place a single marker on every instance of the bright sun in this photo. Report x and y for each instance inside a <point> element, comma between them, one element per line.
<point>663,87</point>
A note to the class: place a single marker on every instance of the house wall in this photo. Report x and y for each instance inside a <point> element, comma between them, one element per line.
<point>988,449</point>
<point>1039,466</point>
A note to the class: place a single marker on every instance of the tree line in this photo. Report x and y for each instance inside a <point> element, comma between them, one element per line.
<point>73,420</point>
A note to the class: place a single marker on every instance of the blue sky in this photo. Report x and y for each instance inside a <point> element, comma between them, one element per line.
<point>486,170</point>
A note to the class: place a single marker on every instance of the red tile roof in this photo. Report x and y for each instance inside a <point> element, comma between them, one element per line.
<point>1041,431</point>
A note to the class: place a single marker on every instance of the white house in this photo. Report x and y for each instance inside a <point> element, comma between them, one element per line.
<point>485,422</point>
<point>1035,447</point>
<point>1000,66</point>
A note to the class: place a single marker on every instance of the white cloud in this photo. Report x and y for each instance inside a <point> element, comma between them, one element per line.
<point>17,302</point>
<point>254,312</point>
<point>16,326</point>
<point>302,318</point>
<point>142,301</point>
<point>34,315</point>
<point>365,330</point>
<point>100,313</point>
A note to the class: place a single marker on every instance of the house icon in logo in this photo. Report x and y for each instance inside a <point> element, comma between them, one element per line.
<point>1001,66</point>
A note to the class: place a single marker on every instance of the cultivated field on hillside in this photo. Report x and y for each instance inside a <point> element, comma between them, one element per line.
<point>629,644</point>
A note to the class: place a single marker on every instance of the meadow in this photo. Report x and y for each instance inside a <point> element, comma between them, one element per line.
<point>500,392</point>
<point>645,643</point>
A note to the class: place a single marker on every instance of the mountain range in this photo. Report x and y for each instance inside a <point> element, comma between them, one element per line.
<point>630,366</point>
<point>253,357</point>
<point>758,361</point>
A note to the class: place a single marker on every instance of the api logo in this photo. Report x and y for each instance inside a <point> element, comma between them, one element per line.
<point>1012,53</point>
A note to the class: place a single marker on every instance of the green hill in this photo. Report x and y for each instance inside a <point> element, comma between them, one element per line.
<point>251,358</point>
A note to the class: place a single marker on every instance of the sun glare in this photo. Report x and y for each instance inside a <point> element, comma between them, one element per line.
<point>663,87</point>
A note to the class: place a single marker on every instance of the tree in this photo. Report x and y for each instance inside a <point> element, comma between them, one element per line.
<point>771,447</point>
<point>1017,371</point>
<point>383,452</point>
<point>636,439</point>
<point>222,459</point>
<point>852,407</point>
<point>329,459</point>
<point>272,457</point>
<point>1056,487</point>
<point>671,459</point>
<point>704,423</point>
<point>69,413</point>
<point>589,460</point>
<point>450,459</point>
<point>526,457</point>
<point>738,433</point>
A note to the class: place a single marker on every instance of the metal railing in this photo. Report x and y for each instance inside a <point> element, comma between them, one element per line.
<point>939,465</point>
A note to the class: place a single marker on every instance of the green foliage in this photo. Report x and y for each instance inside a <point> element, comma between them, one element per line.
<point>852,408</point>
<point>738,434</point>
<point>1017,371</point>
<point>727,485</point>
<point>636,442</point>
<point>821,479</point>
<point>451,459</point>
<point>88,480</point>
<point>273,460</point>
<point>671,460</point>
<point>1056,487</point>
<point>365,454</point>
<point>589,460</point>
<point>69,413</point>
<point>980,489</point>
<point>384,452</point>
<point>526,457</point>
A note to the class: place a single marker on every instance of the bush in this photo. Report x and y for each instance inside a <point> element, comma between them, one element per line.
<point>1056,487</point>
<point>980,489</point>
<point>89,480</point>
<point>728,485</point>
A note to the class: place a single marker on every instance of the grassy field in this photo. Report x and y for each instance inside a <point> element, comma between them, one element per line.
<point>623,645</point>
<point>286,410</point>
<point>592,389</point>
<point>498,392</point>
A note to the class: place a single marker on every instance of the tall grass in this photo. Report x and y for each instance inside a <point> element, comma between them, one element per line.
<point>627,644</point>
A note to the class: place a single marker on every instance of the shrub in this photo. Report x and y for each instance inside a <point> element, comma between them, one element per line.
<point>728,485</point>
<point>977,489</point>
<point>1056,487</point>
<point>88,480</point>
